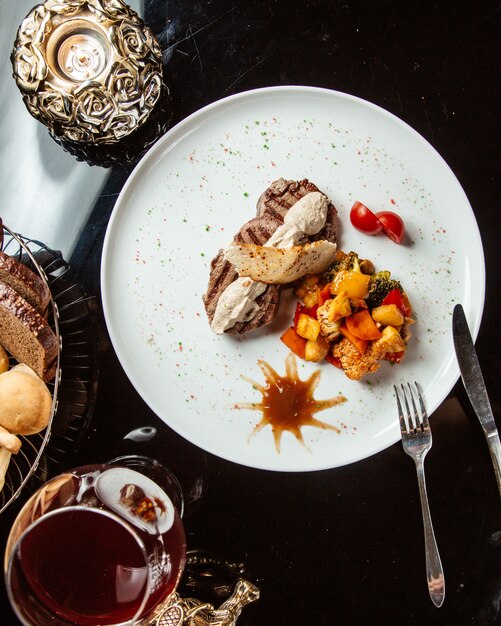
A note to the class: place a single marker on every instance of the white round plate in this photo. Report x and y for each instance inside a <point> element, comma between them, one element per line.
<point>191,193</point>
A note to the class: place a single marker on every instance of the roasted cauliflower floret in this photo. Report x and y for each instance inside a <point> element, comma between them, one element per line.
<point>389,343</point>
<point>339,307</point>
<point>328,328</point>
<point>354,364</point>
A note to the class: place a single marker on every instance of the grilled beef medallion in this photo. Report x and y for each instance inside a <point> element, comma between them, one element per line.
<point>272,206</point>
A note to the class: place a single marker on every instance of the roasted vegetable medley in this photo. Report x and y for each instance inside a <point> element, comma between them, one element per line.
<point>350,316</point>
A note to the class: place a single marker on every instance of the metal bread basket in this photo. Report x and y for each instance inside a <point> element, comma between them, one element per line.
<point>24,464</point>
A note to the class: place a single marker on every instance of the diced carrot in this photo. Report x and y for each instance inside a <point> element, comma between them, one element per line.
<point>362,325</point>
<point>360,344</point>
<point>324,294</point>
<point>294,342</point>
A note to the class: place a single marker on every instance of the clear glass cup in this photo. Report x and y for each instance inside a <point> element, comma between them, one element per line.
<point>98,545</point>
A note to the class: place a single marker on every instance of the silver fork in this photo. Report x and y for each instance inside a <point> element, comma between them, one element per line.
<point>416,441</point>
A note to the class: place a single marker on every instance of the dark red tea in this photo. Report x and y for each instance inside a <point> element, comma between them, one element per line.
<point>85,567</point>
<point>110,547</point>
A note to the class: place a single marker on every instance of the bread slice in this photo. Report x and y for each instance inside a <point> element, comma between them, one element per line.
<point>26,334</point>
<point>28,284</point>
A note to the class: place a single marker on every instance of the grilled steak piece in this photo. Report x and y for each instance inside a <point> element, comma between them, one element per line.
<point>271,209</point>
<point>282,194</point>
<point>222,274</point>
<point>257,230</point>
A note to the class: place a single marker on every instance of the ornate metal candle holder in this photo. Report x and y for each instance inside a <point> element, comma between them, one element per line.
<point>90,70</point>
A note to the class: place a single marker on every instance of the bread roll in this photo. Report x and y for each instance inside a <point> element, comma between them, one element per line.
<point>9,441</point>
<point>4,465</point>
<point>25,401</point>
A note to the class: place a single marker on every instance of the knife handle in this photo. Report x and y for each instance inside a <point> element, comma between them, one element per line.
<point>495,450</point>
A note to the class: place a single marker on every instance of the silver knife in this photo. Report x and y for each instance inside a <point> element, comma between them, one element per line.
<point>475,386</point>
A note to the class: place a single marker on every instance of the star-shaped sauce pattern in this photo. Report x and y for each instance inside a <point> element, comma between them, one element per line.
<point>288,402</point>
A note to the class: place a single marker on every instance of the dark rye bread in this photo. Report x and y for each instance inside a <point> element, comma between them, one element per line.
<point>28,284</point>
<point>26,334</point>
<point>272,206</point>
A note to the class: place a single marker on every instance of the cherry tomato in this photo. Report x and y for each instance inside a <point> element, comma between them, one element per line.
<point>364,219</point>
<point>393,225</point>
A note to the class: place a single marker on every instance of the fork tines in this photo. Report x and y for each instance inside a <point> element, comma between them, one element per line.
<point>411,420</point>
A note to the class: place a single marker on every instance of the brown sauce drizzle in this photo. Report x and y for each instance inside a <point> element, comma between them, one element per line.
<point>287,401</point>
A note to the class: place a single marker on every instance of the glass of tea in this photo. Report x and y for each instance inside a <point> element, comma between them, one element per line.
<point>98,545</point>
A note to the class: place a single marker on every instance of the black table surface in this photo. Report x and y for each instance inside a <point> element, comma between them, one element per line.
<point>342,546</point>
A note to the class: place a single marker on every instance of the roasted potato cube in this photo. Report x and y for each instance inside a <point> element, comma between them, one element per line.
<point>307,289</point>
<point>310,298</point>
<point>316,350</point>
<point>308,327</point>
<point>388,315</point>
<point>311,280</point>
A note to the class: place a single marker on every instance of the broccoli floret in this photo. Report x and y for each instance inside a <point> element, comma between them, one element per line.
<point>348,261</point>
<point>380,286</point>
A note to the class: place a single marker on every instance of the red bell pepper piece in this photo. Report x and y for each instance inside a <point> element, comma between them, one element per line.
<point>334,360</point>
<point>301,309</point>
<point>395,297</point>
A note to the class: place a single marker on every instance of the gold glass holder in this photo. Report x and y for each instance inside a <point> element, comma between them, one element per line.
<point>193,612</point>
<point>90,70</point>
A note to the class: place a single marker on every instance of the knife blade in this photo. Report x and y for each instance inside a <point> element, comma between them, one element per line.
<point>474,384</point>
